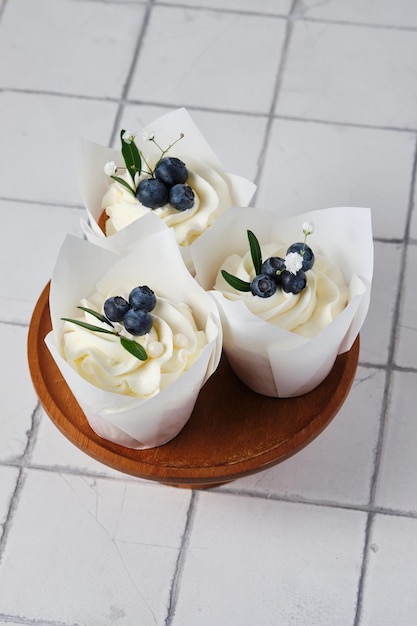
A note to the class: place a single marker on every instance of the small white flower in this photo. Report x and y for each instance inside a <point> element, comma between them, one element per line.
<point>293,262</point>
<point>110,168</point>
<point>308,228</point>
<point>129,136</point>
<point>148,135</point>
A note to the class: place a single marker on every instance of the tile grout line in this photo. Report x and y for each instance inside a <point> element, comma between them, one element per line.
<point>14,500</point>
<point>230,490</point>
<point>277,86</point>
<point>212,109</point>
<point>387,392</point>
<point>294,499</point>
<point>219,9</point>
<point>323,20</point>
<point>128,81</point>
<point>179,566</point>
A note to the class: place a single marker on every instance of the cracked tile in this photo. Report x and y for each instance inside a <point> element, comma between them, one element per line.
<point>110,544</point>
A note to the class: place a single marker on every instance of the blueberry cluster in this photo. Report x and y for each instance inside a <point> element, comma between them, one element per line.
<point>133,314</point>
<point>288,273</point>
<point>167,185</point>
<point>274,272</point>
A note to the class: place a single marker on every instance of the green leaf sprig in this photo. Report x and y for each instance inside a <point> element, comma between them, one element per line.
<point>133,347</point>
<point>135,161</point>
<point>255,251</point>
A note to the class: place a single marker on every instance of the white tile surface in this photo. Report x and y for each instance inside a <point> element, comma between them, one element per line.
<point>94,62</point>
<point>90,546</point>
<point>348,73</point>
<point>16,392</point>
<point>209,58</point>
<point>396,487</point>
<point>324,471</point>
<point>406,354</point>
<point>105,550</point>
<point>37,254</point>
<point>313,166</point>
<point>391,575</point>
<point>46,130</point>
<point>251,562</point>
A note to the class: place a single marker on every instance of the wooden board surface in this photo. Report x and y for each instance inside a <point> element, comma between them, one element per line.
<point>232,432</point>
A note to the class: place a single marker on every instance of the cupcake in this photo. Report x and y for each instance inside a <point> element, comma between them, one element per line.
<point>292,294</point>
<point>168,169</point>
<point>134,336</point>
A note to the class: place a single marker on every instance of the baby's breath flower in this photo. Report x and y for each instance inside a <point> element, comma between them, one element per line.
<point>293,262</point>
<point>129,136</point>
<point>110,168</point>
<point>148,135</point>
<point>308,228</point>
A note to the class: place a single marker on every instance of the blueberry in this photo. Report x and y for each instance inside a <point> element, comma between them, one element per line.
<point>152,193</point>
<point>142,298</point>
<point>263,286</point>
<point>271,266</point>
<point>306,252</point>
<point>293,283</point>
<point>181,197</point>
<point>137,321</point>
<point>115,308</point>
<point>171,171</point>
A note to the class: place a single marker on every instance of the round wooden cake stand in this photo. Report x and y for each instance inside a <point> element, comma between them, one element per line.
<point>232,432</point>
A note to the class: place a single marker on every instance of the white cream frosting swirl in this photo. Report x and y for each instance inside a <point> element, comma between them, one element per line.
<point>307,313</point>
<point>213,195</point>
<point>173,345</point>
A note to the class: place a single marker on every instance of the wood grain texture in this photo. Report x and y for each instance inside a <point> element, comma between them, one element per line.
<point>232,432</point>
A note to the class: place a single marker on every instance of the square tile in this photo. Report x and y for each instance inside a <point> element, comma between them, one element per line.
<point>76,41</point>
<point>236,139</point>
<point>254,561</point>
<point>16,392</point>
<point>346,73</point>
<point>396,486</point>
<point>324,470</point>
<point>275,7</point>
<point>391,579</point>
<point>46,130</point>
<point>406,349</point>
<point>214,60</point>
<point>402,13</point>
<point>45,228</point>
<point>376,331</point>
<point>104,551</point>
<point>8,480</point>
<point>314,166</point>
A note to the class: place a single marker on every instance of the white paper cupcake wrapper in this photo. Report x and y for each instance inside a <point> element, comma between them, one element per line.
<point>93,182</point>
<point>270,360</point>
<point>82,267</point>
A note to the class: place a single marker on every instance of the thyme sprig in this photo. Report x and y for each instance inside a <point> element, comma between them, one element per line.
<point>130,345</point>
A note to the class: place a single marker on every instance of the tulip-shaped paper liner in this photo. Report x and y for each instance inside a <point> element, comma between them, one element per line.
<point>271,360</point>
<point>216,191</point>
<point>83,268</point>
